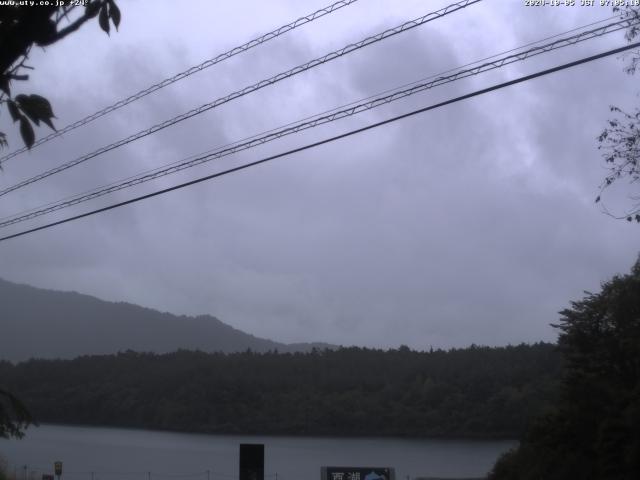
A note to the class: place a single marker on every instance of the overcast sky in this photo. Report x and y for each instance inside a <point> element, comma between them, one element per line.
<point>473,223</point>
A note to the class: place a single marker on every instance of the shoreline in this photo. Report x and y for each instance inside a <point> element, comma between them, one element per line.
<point>438,438</point>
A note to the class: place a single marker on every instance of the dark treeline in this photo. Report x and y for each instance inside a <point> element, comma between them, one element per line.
<point>472,392</point>
<point>592,432</point>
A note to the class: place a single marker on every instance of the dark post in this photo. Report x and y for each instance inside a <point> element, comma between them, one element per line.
<point>251,461</point>
<point>57,467</point>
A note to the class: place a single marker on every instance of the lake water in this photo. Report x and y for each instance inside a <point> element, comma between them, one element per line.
<point>90,453</point>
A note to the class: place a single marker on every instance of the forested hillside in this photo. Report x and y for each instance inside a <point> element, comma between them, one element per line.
<point>592,432</point>
<point>474,392</point>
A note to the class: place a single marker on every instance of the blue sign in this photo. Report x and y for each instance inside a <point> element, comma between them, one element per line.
<point>357,473</point>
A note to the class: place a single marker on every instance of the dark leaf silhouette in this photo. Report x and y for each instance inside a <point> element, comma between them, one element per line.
<point>13,110</point>
<point>20,30</point>
<point>26,131</point>
<point>114,13</point>
<point>4,84</point>
<point>103,19</point>
<point>92,8</point>
<point>14,416</point>
<point>37,108</point>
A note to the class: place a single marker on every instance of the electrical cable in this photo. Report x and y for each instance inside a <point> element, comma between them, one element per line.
<point>312,116</point>
<point>245,91</point>
<point>296,127</point>
<point>330,139</point>
<point>186,73</point>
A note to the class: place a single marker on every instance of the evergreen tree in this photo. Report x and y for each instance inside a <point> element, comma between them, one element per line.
<point>594,431</point>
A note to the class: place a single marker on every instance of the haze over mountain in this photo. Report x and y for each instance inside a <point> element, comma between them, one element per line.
<point>39,323</point>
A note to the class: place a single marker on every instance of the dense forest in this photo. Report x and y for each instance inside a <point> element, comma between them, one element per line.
<point>592,431</point>
<point>472,392</point>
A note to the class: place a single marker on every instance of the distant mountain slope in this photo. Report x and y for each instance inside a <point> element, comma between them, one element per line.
<point>38,323</point>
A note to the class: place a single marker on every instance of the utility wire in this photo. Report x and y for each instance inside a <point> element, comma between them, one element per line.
<point>254,141</point>
<point>226,150</point>
<point>157,169</point>
<point>353,109</point>
<point>330,139</point>
<point>323,113</point>
<point>198,68</point>
<point>252,88</point>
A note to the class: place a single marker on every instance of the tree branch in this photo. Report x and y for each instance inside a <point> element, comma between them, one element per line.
<point>68,29</point>
<point>74,25</point>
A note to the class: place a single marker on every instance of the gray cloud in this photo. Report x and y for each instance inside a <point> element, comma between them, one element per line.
<point>473,223</point>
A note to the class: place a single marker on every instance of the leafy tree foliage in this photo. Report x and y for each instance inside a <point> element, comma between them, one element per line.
<point>474,392</point>
<point>4,475</point>
<point>14,416</point>
<point>21,28</point>
<point>594,431</point>
<point>620,140</point>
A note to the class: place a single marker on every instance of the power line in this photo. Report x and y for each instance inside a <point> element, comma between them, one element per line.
<point>252,88</point>
<point>207,156</point>
<point>330,139</point>
<point>320,119</point>
<point>186,73</point>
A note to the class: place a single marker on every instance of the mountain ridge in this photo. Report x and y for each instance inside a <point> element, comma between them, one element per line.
<point>71,324</point>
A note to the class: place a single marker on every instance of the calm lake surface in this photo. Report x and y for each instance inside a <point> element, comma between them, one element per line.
<point>121,454</point>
